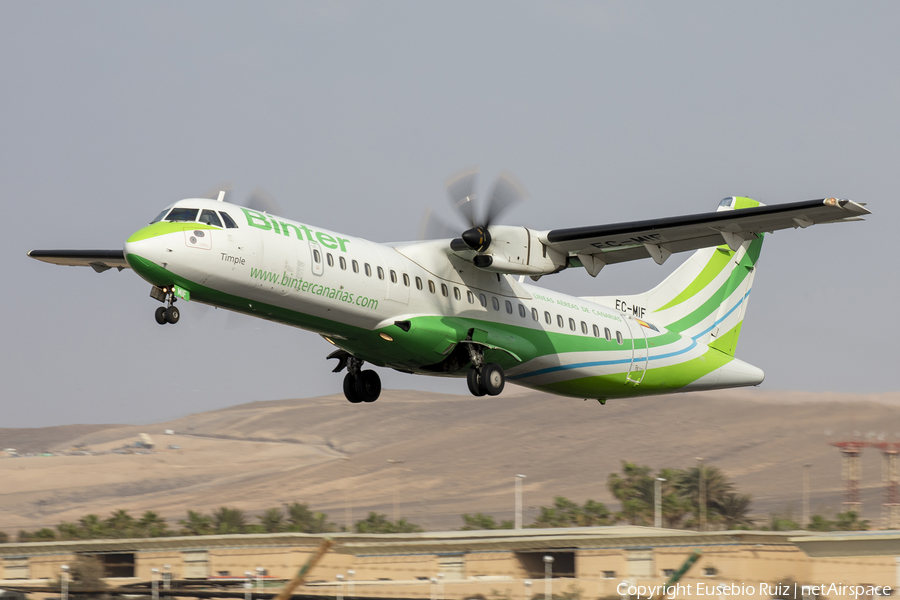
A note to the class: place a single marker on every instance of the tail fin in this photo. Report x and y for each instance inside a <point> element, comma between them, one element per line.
<point>706,297</point>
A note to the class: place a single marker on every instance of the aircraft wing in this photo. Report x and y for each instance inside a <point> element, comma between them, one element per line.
<point>99,260</point>
<point>595,246</point>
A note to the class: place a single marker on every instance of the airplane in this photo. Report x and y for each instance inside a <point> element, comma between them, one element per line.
<point>460,306</point>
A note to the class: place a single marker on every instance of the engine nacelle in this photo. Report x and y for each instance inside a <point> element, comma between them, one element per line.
<point>518,251</point>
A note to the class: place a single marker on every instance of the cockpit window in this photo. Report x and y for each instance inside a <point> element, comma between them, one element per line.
<point>183,214</point>
<point>229,222</point>
<point>726,202</point>
<point>159,217</point>
<point>210,218</point>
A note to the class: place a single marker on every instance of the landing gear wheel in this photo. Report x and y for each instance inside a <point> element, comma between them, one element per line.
<point>473,379</point>
<point>492,378</point>
<point>368,386</point>
<point>160,315</point>
<point>172,314</point>
<point>350,389</point>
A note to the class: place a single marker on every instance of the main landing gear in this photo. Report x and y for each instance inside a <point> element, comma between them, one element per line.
<point>359,385</point>
<point>483,378</point>
<point>168,313</point>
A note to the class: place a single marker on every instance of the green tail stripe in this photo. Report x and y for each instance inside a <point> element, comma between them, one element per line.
<point>738,274</point>
<point>716,264</point>
<point>727,342</point>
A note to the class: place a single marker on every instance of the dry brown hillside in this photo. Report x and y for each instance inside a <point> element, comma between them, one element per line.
<point>461,454</point>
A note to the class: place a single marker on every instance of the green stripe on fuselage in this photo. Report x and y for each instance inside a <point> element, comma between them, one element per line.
<point>657,380</point>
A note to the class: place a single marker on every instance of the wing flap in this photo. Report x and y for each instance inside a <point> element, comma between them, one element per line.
<point>99,260</point>
<point>657,237</point>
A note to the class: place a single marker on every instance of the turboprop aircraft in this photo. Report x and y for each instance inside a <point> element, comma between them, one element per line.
<point>460,307</point>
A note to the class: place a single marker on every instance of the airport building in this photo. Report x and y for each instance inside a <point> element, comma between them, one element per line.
<point>596,562</point>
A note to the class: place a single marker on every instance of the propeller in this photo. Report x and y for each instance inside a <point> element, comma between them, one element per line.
<point>463,194</point>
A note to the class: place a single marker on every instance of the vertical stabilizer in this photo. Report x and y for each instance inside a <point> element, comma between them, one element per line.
<point>706,297</point>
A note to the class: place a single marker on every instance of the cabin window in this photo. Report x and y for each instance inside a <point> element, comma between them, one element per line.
<point>619,337</point>
<point>483,299</point>
<point>457,294</point>
<point>317,257</point>
<point>547,317</point>
<point>509,307</point>
<point>560,321</point>
<point>380,273</point>
<point>596,331</point>
<point>393,276</point>
<point>572,324</point>
<point>329,259</point>
<point>343,263</point>
<point>210,218</point>
<point>470,296</point>
<point>368,269</point>
<point>584,328</point>
<point>444,291</point>
<point>534,314</point>
<point>229,222</point>
<point>607,334</point>
<point>522,312</point>
<point>418,283</point>
<point>159,217</point>
<point>183,214</point>
<point>431,286</point>
<point>495,303</point>
<point>406,280</point>
<point>355,266</point>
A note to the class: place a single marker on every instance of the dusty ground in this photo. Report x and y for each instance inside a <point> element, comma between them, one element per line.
<point>461,454</point>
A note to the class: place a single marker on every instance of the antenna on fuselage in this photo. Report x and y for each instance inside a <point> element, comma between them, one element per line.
<point>221,197</point>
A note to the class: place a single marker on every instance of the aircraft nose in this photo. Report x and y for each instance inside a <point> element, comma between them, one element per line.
<point>143,252</point>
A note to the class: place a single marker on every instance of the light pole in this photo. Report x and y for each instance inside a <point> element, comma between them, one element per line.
<point>440,579</point>
<point>340,588</point>
<point>519,479</point>
<point>702,493</point>
<point>167,577</point>
<point>64,582</point>
<point>259,580</point>
<point>396,462</point>
<point>248,585</point>
<point>527,584</point>
<point>348,506</point>
<point>433,588</point>
<point>658,501</point>
<point>806,468</point>
<point>548,574</point>
<point>351,592</point>
<point>154,583</point>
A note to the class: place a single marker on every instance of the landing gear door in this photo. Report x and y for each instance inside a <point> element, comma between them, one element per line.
<point>316,260</point>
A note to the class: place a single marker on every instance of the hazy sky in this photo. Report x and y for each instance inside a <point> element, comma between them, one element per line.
<point>353,114</point>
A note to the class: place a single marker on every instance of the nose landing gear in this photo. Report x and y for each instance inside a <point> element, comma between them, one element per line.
<point>169,313</point>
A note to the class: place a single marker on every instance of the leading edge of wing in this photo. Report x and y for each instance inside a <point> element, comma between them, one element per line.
<point>99,260</point>
<point>840,209</point>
